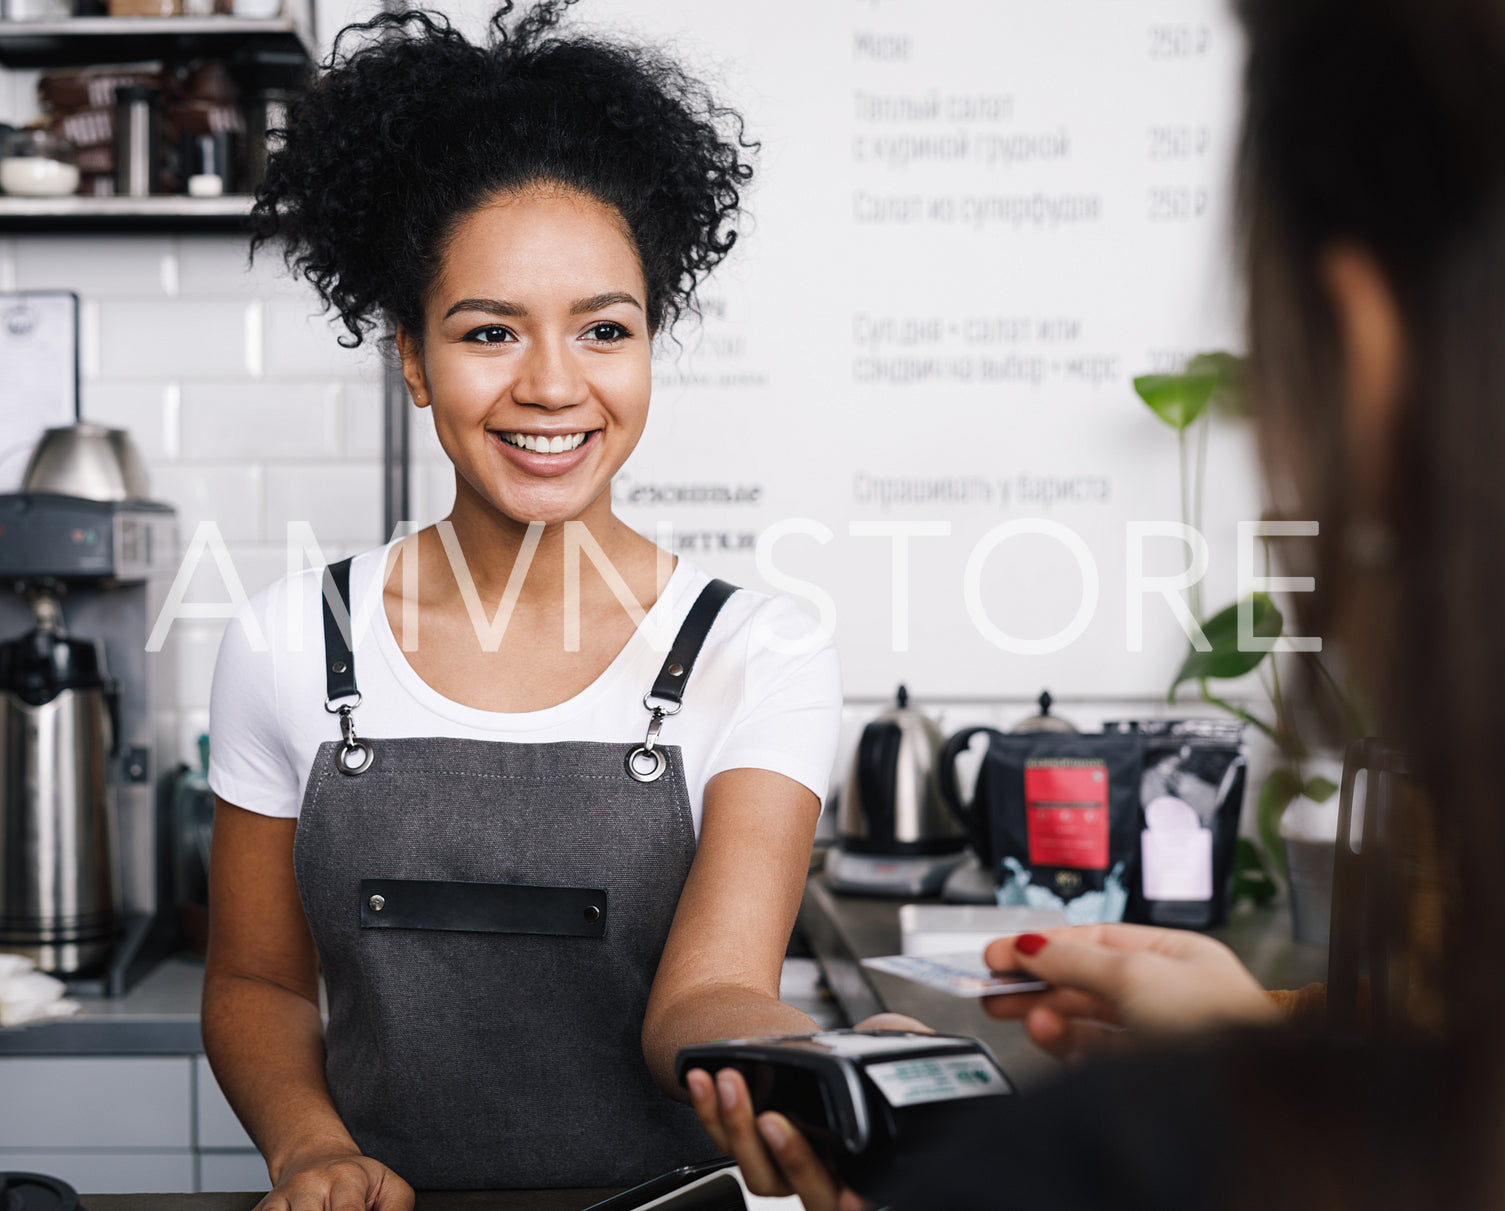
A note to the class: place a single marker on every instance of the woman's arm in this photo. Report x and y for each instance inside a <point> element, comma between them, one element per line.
<point>719,975</point>
<point>262,1031</point>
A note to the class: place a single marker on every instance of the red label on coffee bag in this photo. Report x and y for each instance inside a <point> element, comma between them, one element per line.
<point>1066,806</point>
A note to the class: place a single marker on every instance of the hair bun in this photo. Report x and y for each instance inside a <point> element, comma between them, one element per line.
<point>411,126</point>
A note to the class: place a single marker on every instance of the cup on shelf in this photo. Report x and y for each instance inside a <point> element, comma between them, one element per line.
<point>209,163</point>
<point>38,164</point>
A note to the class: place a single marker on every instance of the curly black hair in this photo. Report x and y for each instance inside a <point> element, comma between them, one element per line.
<point>406,134</point>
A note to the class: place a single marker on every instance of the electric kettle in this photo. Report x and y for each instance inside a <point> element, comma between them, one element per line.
<point>891,804</point>
<point>894,834</point>
<point>60,900</point>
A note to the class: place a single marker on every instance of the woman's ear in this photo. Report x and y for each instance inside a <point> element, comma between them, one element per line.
<point>1374,354</point>
<point>411,353</point>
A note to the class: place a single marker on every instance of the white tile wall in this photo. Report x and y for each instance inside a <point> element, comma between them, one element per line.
<point>135,267</point>
<point>341,501</point>
<point>299,340</point>
<point>431,489</point>
<point>148,410</point>
<point>361,419</point>
<point>196,643</point>
<point>221,267</point>
<point>176,339</point>
<point>256,565</point>
<point>262,420</point>
<point>236,391</point>
<point>228,495</point>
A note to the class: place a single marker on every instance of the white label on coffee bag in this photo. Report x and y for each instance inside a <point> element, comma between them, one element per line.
<point>1175,852</point>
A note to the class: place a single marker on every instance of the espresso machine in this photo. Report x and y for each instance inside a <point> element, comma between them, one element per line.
<point>86,714</point>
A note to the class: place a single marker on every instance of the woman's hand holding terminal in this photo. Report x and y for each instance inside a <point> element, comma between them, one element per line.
<point>1110,979</point>
<point>775,1159</point>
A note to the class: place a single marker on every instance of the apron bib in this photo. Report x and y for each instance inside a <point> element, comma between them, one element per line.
<point>489,917</point>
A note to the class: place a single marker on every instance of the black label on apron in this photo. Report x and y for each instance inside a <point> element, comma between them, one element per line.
<point>576,912</point>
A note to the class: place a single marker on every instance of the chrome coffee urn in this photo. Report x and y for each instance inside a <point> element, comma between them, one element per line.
<point>85,709</point>
<point>59,851</point>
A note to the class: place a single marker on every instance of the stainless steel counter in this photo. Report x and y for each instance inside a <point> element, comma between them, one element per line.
<point>844,929</point>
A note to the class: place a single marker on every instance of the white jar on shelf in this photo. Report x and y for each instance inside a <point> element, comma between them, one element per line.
<point>38,164</point>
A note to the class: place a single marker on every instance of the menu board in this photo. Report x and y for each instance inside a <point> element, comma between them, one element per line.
<point>909,400</point>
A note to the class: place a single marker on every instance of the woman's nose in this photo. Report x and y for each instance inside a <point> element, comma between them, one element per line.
<point>550,377</point>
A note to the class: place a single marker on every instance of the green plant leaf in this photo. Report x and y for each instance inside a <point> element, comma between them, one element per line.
<point>1280,787</point>
<point>1177,399</point>
<point>1252,881</point>
<point>1223,660</point>
<point>1319,789</point>
<point>1232,373</point>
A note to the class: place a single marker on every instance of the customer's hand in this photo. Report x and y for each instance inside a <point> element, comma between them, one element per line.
<point>340,1181</point>
<point>775,1159</point>
<point>1112,981</point>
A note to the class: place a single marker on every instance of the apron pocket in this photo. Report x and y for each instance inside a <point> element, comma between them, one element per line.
<point>576,912</point>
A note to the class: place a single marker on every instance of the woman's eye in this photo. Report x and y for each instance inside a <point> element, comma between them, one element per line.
<point>491,334</point>
<point>607,331</point>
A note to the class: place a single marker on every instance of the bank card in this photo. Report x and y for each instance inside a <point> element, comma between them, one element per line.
<point>961,975</point>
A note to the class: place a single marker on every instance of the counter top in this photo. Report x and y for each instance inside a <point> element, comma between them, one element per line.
<point>842,930</point>
<point>159,1016</point>
<point>461,1200</point>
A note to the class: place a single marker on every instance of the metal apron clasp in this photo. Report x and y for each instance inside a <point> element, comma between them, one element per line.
<point>647,763</point>
<point>354,755</point>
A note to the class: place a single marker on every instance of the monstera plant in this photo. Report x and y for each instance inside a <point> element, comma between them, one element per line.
<point>1211,383</point>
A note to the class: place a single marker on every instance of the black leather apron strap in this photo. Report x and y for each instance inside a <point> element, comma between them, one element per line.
<point>675,673</point>
<point>578,912</point>
<point>339,660</point>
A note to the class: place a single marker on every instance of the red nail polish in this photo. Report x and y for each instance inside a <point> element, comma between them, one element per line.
<point>1029,944</point>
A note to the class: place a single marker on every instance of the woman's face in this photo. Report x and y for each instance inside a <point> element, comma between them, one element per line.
<point>535,355</point>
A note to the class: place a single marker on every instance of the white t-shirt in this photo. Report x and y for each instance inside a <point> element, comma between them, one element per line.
<point>748,703</point>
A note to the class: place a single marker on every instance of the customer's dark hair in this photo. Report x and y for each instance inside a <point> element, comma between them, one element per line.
<point>1380,124</point>
<point>411,127</point>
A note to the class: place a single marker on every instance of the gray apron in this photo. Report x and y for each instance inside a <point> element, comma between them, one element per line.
<point>489,917</point>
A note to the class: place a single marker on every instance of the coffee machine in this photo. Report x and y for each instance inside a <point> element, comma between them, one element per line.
<point>87,731</point>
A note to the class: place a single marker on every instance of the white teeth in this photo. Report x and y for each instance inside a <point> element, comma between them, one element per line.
<point>544,445</point>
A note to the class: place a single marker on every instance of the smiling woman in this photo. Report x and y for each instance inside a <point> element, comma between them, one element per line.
<point>538,398</point>
<point>530,853</point>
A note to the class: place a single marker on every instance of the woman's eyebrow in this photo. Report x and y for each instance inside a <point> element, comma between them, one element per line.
<point>597,302</point>
<point>600,302</point>
<point>490,306</point>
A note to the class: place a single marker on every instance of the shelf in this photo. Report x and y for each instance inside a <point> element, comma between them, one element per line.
<point>155,214</point>
<point>82,41</point>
